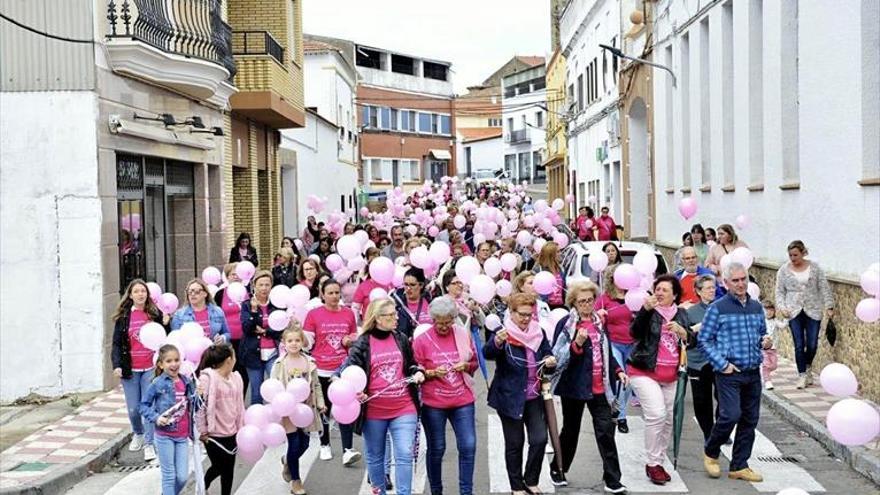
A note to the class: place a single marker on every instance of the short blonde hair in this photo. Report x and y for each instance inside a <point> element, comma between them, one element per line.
<point>521,299</point>
<point>575,289</point>
<point>373,311</point>
<point>228,268</point>
<point>520,280</point>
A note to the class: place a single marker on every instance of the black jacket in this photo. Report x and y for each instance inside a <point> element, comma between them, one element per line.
<point>405,323</point>
<point>120,353</point>
<point>359,355</point>
<point>576,380</point>
<point>645,329</point>
<point>235,257</point>
<point>249,349</point>
<point>507,391</point>
<point>284,275</point>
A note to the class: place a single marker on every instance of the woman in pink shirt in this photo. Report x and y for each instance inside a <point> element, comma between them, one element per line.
<point>332,328</point>
<point>448,354</point>
<point>617,317</point>
<point>232,311</point>
<point>361,297</point>
<point>548,260</point>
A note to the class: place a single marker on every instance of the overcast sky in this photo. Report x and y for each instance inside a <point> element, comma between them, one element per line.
<point>477,36</point>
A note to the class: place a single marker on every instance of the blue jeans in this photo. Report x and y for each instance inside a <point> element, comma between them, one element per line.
<point>465,428</point>
<point>403,431</point>
<point>297,444</point>
<point>739,404</point>
<point>621,354</point>
<point>805,334</point>
<point>173,456</point>
<point>134,389</point>
<point>256,377</point>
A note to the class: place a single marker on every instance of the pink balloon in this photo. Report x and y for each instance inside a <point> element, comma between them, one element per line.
<point>245,270</point>
<point>561,239</point>
<point>257,415</point>
<point>194,348</point>
<point>334,262</point>
<point>357,263</point>
<point>399,273</point>
<point>597,259</point>
<point>355,376</point>
<point>348,247</point>
<point>273,435</point>
<point>459,221</point>
<point>346,413</point>
<point>299,296</point>
<point>524,238</point>
<point>870,282</point>
<point>868,310</point>
<point>341,392</point>
<point>155,291</point>
<point>482,288</point>
<point>539,244</point>
<point>503,287</point>
<point>211,275</point>
<point>545,283</point>
<point>270,388</point>
<point>249,438</point>
<point>278,320</point>
<point>558,204</point>
<point>439,252</point>
<point>190,331</point>
<point>508,262</point>
<point>283,403</point>
<point>742,222</point>
<point>853,422</point>
<point>687,207</point>
<point>362,237</point>
<point>302,416</point>
<point>299,389</point>
<point>382,270</point>
<point>635,299</point>
<point>493,322</point>
<point>279,295</point>
<point>569,198</point>
<point>152,336</point>
<point>250,456</point>
<point>492,267</point>
<point>237,292</point>
<point>467,268</point>
<point>433,231</point>
<point>365,211</point>
<point>838,380</point>
<point>626,277</point>
<point>419,257</point>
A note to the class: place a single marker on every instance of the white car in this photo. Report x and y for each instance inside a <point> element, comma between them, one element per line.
<point>575,258</point>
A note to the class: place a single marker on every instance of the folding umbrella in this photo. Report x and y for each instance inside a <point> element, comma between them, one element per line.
<point>678,406</point>
<point>552,424</point>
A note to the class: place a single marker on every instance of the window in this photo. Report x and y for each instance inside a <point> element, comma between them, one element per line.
<point>494,122</point>
<point>409,170</point>
<point>434,71</point>
<point>525,168</point>
<point>756,93</point>
<point>394,118</point>
<point>364,57</point>
<point>525,121</point>
<point>425,122</point>
<point>467,161</point>
<point>407,120</point>
<point>570,96</point>
<point>670,125</point>
<point>510,124</point>
<point>380,169</point>
<point>445,125</point>
<point>685,101</point>
<point>540,169</point>
<point>539,118</point>
<point>371,117</point>
<point>614,61</point>
<point>727,109</point>
<point>509,164</point>
<point>402,64</point>
<point>435,124</point>
<point>589,84</point>
<point>580,90</point>
<point>385,122</point>
<point>705,122</point>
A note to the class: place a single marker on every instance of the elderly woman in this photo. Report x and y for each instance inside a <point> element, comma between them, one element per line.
<point>520,351</point>
<point>727,242</point>
<point>469,311</point>
<point>284,273</point>
<point>660,329</point>
<point>588,377</point>
<point>803,296</point>
<point>702,377</point>
<point>391,403</point>
<point>259,346</point>
<point>448,354</point>
<point>617,317</point>
<point>412,303</point>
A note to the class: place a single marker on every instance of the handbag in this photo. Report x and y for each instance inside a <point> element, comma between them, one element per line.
<point>831,332</point>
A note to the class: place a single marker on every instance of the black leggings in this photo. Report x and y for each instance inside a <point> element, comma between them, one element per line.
<point>222,464</point>
<point>345,431</point>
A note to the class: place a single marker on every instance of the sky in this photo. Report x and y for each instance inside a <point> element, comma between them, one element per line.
<point>477,36</point>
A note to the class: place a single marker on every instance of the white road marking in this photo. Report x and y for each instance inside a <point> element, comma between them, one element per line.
<point>148,481</point>
<point>498,482</point>
<point>265,476</point>
<point>420,476</point>
<point>631,451</point>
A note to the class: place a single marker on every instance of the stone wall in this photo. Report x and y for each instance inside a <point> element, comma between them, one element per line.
<point>858,344</point>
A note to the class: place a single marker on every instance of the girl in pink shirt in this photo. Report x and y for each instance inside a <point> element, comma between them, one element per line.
<point>232,312</point>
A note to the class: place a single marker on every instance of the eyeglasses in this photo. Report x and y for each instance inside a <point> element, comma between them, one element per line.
<point>388,315</point>
<point>523,315</point>
<point>586,301</point>
<point>194,292</point>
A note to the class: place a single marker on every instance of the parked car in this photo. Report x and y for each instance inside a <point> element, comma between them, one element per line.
<point>575,258</point>
<point>486,175</point>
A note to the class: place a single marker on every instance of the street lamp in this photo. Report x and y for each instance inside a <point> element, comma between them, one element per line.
<point>618,53</point>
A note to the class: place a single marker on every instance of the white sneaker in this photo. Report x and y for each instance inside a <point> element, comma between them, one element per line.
<point>801,381</point>
<point>149,453</point>
<point>326,453</point>
<point>350,456</point>
<point>768,385</point>
<point>808,378</point>
<point>137,443</point>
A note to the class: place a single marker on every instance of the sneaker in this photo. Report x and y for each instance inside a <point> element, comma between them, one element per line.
<point>137,443</point>
<point>149,453</point>
<point>712,467</point>
<point>296,488</point>
<point>326,453</point>
<point>746,474</point>
<point>558,478</point>
<point>534,489</point>
<point>285,473</point>
<point>801,381</point>
<point>768,385</point>
<point>350,456</point>
<point>656,474</point>
<point>622,426</point>
<point>808,378</point>
<point>615,487</point>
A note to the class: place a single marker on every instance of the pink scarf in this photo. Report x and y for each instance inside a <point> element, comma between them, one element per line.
<point>667,312</point>
<point>530,338</point>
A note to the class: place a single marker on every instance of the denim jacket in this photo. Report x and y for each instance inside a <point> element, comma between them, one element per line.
<point>160,397</point>
<point>216,318</point>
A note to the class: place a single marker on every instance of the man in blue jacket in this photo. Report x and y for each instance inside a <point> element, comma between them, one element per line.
<point>732,336</point>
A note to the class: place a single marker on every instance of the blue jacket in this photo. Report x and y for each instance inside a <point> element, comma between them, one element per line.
<point>576,380</point>
<point>507,392</point>
<point>216,319</point>
<point>732,332</point>
<point>249,349</point>
<point>160,397</point>
<point>702,270</point>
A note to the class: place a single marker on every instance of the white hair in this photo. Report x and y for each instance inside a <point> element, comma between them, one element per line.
<point>732,267</point>
<point>443,307</point>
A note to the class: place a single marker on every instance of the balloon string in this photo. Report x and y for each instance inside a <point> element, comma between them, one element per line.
<point>393,385</point>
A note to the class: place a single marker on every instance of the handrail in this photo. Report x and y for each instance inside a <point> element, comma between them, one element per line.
<point>257,43</point>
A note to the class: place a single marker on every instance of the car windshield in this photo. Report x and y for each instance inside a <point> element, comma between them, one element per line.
<point>627,256</point>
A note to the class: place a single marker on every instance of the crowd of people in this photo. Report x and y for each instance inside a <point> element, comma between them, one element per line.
<point>423,340</point>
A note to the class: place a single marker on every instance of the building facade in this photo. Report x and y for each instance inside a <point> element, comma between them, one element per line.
<point>556,160</point>
<point>592,80</point>
<point>480,151</point>
<point>524,116</point>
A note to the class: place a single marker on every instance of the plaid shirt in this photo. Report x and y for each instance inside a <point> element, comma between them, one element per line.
<point>732,332</point>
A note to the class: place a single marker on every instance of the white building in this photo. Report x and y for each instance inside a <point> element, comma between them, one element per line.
<point>523,116</point>
<point>592,96</point>
<point>480,150</point>
<point>776,116</point>
<point>327,147</point>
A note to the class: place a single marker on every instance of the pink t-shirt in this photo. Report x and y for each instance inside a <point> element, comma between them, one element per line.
<point>327,329</point>
<point>180,418</point>
<point>203,320</point>
<point>667,359</point>
<point>232,311</point>
<point>421,317</point>
<point>362,294</point>
<point>266,342</point>
<point>141,357</point>
<point>596,345</point>
<point>556,298</point>
<point>617,321</point>
<point>432,350</point>
<point>386,376</point>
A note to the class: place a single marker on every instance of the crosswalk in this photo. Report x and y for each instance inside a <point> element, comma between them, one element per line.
<point>264,477</point>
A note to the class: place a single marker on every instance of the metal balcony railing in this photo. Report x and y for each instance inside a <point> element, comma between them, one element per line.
<point>257,43</point>
<point>518,136</point>
<point>191,28</point>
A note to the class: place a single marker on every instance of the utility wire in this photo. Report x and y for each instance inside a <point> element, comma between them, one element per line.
<point>43,33</point>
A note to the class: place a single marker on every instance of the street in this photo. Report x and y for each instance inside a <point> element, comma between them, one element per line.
<point>785,456</point>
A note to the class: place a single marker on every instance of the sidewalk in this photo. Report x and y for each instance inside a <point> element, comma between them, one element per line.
<point>55,457</point>
<point>807,409</point>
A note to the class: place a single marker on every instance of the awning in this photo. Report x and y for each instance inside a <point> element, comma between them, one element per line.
<point>440,154</point>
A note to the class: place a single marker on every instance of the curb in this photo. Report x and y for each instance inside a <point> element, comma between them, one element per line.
<point>858,458</point>
<point>59,481</point>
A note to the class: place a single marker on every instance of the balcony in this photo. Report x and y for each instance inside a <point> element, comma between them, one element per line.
<point>518,136</point>
<point>257,43</point>
<point>183,45</point>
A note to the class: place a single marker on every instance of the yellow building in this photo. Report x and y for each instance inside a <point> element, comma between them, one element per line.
<point>557,142</point>
<point>267,46</point>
